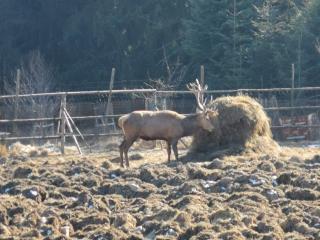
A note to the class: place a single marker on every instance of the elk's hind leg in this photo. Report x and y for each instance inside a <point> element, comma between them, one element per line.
<point>127,145</point>
<point>121,147</point>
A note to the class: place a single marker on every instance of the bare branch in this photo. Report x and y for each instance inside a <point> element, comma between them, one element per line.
<point>36,77</point>
<point>198,91</point>
<point>166,62</point>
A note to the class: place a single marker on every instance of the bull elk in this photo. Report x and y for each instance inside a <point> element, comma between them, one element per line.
<point>164,125</point>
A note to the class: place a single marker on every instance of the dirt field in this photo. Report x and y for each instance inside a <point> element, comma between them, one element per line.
<point>89,197</point>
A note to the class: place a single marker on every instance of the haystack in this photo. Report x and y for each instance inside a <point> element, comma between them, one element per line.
<point>240,125</point>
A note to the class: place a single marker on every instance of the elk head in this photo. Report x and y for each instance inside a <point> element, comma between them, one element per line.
<point>205,115</point>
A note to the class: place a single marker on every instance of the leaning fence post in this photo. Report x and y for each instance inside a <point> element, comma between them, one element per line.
<point>63,121</point>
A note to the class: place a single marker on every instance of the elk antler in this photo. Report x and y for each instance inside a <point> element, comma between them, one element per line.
<point>198,91</point>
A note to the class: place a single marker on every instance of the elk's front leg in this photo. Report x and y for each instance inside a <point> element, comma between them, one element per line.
<point>168,150</point>
<point>175,149</point>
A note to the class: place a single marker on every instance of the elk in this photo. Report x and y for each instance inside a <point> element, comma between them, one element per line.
<point>164,125</point>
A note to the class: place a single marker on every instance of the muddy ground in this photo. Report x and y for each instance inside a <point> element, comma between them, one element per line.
<point>90,197</point>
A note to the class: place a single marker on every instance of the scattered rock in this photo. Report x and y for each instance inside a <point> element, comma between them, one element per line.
<point>147,175</point>
<point>295,159</point>
<point>224,215</point>
<point>215,164</point>
<point>90,182</point>
<point>136,156</point>
<point>242,178</point>
<point>267,166</point>
<point>279,164</point>
<point>271,194</point>
<point>250,234</point>
<point>314,160</point>
<point>59,180</point>
<point>81,223</point>
<point>302,182</point>
<point>22,172</point>
<point>183,219</point>
<point>125,220</point>
<point>46,231</point>
<point>231,234</point>
<point>11,187</point>
<point>263,227</point>
<point>285,178</point>
<point>194,231</point>
<point>198,172</point>
<point>302,194</point>
<point>256,181</point>
<point>127,190</point>
<point>65,231</point>
<point>34,194</point>
<point>32,234</point>
<point>163,215</point>
<point>223,184</point>
<point>106,164</point>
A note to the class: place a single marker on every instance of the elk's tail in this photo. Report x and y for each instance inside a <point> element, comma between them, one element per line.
<point>121,120</point>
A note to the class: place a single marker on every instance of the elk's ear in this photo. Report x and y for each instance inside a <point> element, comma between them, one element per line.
<point>211,113</point>
<point>207,114</point>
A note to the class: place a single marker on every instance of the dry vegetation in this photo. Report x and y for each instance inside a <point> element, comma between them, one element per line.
<point>3,151</point>
<point>248,196</point>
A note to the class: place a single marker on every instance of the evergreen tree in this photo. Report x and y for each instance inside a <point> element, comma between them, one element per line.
<point>274,47</point>
<point>307,37</point>
<point>219,35</point>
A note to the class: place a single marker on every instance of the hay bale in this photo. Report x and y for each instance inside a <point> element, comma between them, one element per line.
<point>240,125</point>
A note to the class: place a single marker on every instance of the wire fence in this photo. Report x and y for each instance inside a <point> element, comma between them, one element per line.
<point>294,112</point>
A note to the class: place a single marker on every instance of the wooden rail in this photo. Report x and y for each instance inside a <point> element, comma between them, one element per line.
<point>80,93</point>
<point>119,115</point>
<point>6,138</point>
<point>254,90</point>
<point>64,95</point>
<point>128,91</point>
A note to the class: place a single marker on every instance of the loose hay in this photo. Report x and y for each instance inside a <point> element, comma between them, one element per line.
<point>241,125</point>
<point>18,150</point>
<point>3,151</point>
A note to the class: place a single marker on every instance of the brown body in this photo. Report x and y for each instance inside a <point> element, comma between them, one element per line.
<point>160,125</point>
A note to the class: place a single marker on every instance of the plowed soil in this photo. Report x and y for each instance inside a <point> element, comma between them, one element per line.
<point>90,197</point>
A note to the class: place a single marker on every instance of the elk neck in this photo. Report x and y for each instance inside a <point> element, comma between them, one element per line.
<point>190,124</point>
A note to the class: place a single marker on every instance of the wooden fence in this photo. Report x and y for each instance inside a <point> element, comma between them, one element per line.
<point>63,121</point>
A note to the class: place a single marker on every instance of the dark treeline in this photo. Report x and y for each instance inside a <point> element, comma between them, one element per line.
<point>242,44</point>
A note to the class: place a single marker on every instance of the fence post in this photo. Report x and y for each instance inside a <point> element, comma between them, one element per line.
<point>113,71</point>
<point>63,121</point>
<point>202,76</point>
<point>110,121</point>
<point>292,90</point>
<point>16,101</point>
<point>155,101</point>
